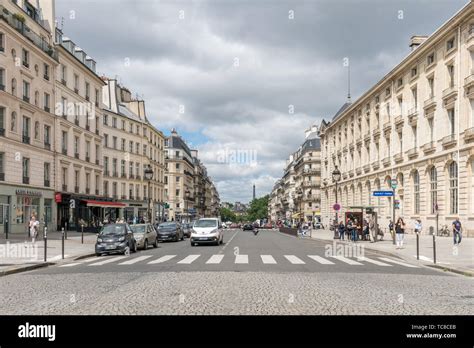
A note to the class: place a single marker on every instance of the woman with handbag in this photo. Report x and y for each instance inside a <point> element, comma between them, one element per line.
<point>33,226</point>
<point>400,232</point>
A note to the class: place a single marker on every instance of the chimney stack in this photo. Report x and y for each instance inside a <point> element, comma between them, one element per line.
<point>417,40</point>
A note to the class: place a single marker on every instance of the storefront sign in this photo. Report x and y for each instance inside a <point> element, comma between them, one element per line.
<point>29,193</point>
<point>58,198</point>
<point>383,193</point>
<point>135,205</point>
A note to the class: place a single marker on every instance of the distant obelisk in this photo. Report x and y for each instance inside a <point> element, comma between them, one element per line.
<point>253,191</point>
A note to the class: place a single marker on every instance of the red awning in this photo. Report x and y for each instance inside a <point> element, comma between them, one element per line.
<point>91,203</point>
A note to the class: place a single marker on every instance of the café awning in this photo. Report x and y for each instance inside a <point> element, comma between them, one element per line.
<point>104,204</point>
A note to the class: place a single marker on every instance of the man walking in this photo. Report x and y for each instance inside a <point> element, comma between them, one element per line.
<point>457,231</point>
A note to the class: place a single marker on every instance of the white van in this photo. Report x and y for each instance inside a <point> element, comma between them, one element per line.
<point>207,230</point>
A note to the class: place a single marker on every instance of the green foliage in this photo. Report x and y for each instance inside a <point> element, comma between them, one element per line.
<point>227,215</point>
<point>258,208</point>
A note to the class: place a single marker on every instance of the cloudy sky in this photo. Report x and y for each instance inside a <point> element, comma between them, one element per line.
<point>241,80</point>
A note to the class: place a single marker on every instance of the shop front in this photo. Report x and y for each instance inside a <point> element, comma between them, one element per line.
<point>19,204</point>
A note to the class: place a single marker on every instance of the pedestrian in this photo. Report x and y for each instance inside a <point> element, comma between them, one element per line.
<point>355,231</point>
<point>418,226</point>
<point>391,229</point>
<point>373,230</point>
<point>341,230</point>
<point>457,231</point>
<point>34,227</point>
<point>400,232</point>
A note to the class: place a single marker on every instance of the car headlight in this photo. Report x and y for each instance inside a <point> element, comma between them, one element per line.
<point>121,239</point>
<point>99,240</point>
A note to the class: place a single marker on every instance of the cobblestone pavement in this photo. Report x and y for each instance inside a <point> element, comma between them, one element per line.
<point>230,288</point>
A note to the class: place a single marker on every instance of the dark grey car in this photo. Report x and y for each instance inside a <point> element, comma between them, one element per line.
<point>115,238</point>
<point>170,231</point>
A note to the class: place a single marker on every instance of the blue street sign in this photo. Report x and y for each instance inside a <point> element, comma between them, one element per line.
<point>383,193</point>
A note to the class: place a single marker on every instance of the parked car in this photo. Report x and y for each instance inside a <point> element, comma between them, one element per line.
<point>207,230</point>
<point>234,225</point>
<point>187,230</point>
<point>145,234</point>
<point>115,238</point>
<point>170,231</point>
<point>318,225</point>
<point>248,227</point>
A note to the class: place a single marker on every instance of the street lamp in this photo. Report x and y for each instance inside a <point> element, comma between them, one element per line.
<point>187,193</point>
<point>299,193</point>
<point>336,177</point>
<point>148,176</point>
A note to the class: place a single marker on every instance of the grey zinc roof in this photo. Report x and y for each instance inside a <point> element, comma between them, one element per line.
<point>341,110</point>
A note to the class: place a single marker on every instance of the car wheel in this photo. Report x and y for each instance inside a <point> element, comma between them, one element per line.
<point>135,248</point>
<point>155,245</point>
<point>98,254</point>
<point>126,250</point>
<point>182,238</point>
<point>145,245</point>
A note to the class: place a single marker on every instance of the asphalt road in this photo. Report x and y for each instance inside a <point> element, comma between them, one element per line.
<point>270,273</point>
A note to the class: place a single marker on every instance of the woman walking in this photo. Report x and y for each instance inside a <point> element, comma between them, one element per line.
<point>400,232</point>
<point>33,226</point>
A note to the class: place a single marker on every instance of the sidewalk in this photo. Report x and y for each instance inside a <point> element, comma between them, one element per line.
<point>16,255</point>
<point>458,260</point>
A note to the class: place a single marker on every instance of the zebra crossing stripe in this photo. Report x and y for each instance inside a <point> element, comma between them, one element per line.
<point>397,262</point>
<point>162,259</point>
<point>375,262</point>
<point>294,260</point>
<point>135,260</point>
<point>215,259</point>
<point>108,260</point>
<point>268,259</point>
<point>189,259</point>
<point>71,264</point>
<point>321,260</point>
<point>241,258</point>
<point>346,260</point>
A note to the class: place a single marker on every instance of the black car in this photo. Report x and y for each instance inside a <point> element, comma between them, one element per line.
<point>247,227</point>
<point>115,238</point>
<point>170,231</point>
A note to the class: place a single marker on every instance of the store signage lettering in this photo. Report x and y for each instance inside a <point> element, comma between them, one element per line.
<point>28,193</point>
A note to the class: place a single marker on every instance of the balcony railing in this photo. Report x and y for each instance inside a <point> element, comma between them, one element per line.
<point>2,132</point>
<point>64,152</point>
<point>469,134</point>
<point>412,153</point>
<point>26,98</point>
<point>399,121</point>
<point>88,190</point>
<point>88,159</point>
<point>449,140</point>
<point>76,155</point>
<point>387,127</point>
<point>64,188</point>
<point>76,189</point>
<point>124,197</point>
<point>450,92</point>
<point>96,192</point>
<point>375,165</point>
<point>413,116</point>
<point>398,157</point>
<point>24,30</point>
<point>47,146</point>
<point>2,176</point>
<point>367,137</point>
<point>429,147</point>
<point>376,133</point>
<point>358,170</point>
<point>47,109</point>
<point>26,180</point>
<point>366,168</point>
<point>26,139</point>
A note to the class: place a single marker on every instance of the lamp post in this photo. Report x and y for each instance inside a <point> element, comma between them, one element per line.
<point>148,176</point>
<point>186,193</point>
<point>336,177</point>
<point>300,200</point>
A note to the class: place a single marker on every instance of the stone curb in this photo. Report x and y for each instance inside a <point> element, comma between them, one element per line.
<point>25,268</point>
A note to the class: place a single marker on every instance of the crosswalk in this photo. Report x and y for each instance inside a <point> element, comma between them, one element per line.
<point>239,259</point>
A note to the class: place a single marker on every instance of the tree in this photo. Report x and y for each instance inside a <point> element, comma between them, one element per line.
<point>258,208</point>
<point>227,215</point>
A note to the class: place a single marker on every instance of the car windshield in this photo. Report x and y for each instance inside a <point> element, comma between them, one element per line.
<point>167,226</point>
<point>206,223</point>
<point>138,228</point>
<point>112,229</point>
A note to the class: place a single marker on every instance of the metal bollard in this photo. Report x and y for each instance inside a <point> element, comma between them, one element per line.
<point>417,246</point>
<point>62,243</point>
<point>65,230</point>
<point>82,234</point>
<point>434,248</point>
<point>45,238</point>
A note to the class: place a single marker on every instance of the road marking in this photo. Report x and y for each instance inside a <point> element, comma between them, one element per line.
<point>268,259</point>
<point>375,262</point>
<point>424,258</point>
<point>321,260</point>
<point>214,259</point>
<point>241,259</point>
<point>227,243</point>
<point>57,257</point>
<point>88,260</point>
<point>135,260</point>
<point>189,259</point>
<point>71,264</point>
<point>294,260</point>
<point>398,262</point>
<point>346,260</point>
<point>162,259</point>
<point>108,260</point>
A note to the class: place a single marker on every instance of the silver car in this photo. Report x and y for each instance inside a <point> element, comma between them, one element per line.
<point>145,234</point>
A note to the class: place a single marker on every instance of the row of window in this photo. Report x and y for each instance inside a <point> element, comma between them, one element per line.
<point>26,170</point>
<point>134,191</point>
<point>131,129</point>
<point>76,85</point>
<point>132,147</point>
<point>26,128</point>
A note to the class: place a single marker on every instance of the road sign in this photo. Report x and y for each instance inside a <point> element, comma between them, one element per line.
<point>394,183</point>
<point>383,193</point>
<point>336,207</point>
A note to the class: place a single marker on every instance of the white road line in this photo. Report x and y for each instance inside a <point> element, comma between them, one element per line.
<point>268,259</point>
<point>57,257</point>
<point>241,259</point>
<point>346,260</point>
<point>215,259</point>
<point>375,262</point>
<point>108,260</point>
<point>398,262</point>
<point>88,260</point>
<point>321,260</point>
<point>294,260</point>
<point>135,260</point>
<point>228,242</point>
<point>162,259</point>
<point>424,258</point>
<point>71,264</point>
<point>189,259</point>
